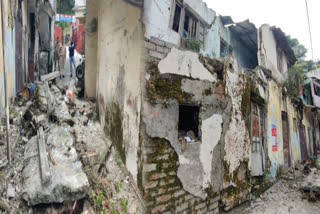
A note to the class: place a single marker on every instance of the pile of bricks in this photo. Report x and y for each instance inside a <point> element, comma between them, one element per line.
<point>163,191</point>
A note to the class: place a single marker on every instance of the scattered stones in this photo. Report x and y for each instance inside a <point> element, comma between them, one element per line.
<point>11,191</point>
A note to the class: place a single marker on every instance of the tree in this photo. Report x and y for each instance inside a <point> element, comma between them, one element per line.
<point>65,7</point>
<point>299,50</point>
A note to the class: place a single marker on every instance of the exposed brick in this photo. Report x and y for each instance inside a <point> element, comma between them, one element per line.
<point>163,198</point>
<point>160,48</point>
<point>151,184</point>
<point>157,176</point>
<point>200,206</point>
<point>163,157</point>
<point>157,41</point>
<point>167,212</point>
<point>204,210</point>
<point>177,194</point>
<point>165,165</point>
<point>158,192</point>
<point>215,199</point>
<point>172,173</point>
<point>214,205</point>
<point>166,50</point>
<point>181,207</point>
<point>188,197</point>
<point>164,182</point>
<point>149,167</point>
<point>160,208</point>
<point>169,45</point>
<point>210,212</point>
<point>173,188</point>
<point>149,46</point>
<point>156,54</point>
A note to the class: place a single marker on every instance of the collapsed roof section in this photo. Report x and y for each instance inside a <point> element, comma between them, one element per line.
<point>283,44</point>
<point>245,31</point>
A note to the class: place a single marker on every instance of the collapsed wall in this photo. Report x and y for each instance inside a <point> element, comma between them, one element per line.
<point>191,98</point>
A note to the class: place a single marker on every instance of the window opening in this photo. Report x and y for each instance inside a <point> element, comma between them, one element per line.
<point>225,49</point>
<point>188,126</point>
<point>176,18</point>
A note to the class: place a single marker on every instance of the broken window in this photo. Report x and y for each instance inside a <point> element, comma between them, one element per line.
<point>225,48</point>
<point>184,23</point>
<point>316,89</point>
<point>188,124</point>
<point>176,18</point>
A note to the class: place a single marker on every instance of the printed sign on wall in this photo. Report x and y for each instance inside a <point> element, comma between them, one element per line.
<point>65,18</point>
<point>274,138</point>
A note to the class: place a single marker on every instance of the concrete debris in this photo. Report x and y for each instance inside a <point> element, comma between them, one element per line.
<point>87,208</point>
<point>4,204</point>
<point>68,181</point>
<point>11,191</point>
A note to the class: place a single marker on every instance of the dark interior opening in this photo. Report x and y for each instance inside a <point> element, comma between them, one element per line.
<point>188,120</point>
<point>176,19</point>
<point>32,34</point>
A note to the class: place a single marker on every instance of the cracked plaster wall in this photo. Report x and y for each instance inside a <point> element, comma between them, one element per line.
<point>268,56</point>
<point>223,139</point>
<point>119,68</point>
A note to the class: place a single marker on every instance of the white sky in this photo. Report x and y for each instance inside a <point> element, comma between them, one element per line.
<point>289,15</point>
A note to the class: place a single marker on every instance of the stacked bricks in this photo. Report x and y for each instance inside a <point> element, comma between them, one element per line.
<point>157,48</point>
<point>163,192</point>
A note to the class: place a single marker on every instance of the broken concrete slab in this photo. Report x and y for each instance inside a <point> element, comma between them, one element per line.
<point>68,181</point>
<point>43,95</point>
<point>311,183</point>
<point>61,114</point>
<point>11,192</point>
<point>96,145</point>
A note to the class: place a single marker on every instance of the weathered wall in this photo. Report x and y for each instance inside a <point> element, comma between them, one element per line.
<point>91,49</point>
<point>274,121</point>
<point>157,20</point>
<point>9,47</point>
<point>268,55</point>
<point>2,94</point>
<point>198,174</point>
<point>119,68</point>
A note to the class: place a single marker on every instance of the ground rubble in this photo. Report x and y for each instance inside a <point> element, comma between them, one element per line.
<point>296,191</point>
<point>61,160</point>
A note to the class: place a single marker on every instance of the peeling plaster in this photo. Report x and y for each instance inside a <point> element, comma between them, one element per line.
<point>185,63</point>
<point>237,141</point>
<point>211,133</point>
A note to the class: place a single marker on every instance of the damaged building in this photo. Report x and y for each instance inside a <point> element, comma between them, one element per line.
<point>27,43</point>
<point>193,101</point>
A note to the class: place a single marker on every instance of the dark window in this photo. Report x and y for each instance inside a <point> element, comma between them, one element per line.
<point>225,49</point>
<point>176,18</point>
<point>188,120</point>
<point>316,90</point>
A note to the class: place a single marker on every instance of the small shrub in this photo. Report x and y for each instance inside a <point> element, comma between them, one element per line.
<point>193,44</point>
<point>124,205</point>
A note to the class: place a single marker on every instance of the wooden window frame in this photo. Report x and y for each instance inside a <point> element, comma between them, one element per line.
<point>198,24</point>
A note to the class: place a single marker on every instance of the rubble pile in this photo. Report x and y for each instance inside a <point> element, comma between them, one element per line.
<point>61,159</point>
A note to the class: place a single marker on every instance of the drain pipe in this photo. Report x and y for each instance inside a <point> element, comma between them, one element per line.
<point>6,90</point>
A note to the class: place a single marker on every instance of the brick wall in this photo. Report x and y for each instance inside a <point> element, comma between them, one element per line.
<point>157,48</point>
<point>162,189</point>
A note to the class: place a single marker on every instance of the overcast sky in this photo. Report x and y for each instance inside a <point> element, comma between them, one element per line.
<point>289,15</point>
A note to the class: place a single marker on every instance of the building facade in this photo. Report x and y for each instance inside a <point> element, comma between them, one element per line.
<point>194,103</point>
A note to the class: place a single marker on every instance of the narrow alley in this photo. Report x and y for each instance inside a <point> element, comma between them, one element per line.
<point>160,107</point>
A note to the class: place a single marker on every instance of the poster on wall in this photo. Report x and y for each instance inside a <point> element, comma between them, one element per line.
<point>274,138</point>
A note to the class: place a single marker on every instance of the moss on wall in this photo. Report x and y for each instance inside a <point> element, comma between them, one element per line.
<point>113,128</point>
<point>164,87</point>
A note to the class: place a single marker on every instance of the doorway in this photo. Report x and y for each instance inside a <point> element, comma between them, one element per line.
<point>285,136</point>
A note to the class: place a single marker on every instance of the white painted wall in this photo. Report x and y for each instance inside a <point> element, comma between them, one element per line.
<point>268,55</point>
<point>185,63</point>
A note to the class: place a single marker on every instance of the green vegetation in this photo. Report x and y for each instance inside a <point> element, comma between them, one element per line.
<point>98,201</point>
<point>193,44</point>
<point>124,205</point>
<point>294,80</point>
<point>118,186</point>
<point>64,7</point>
